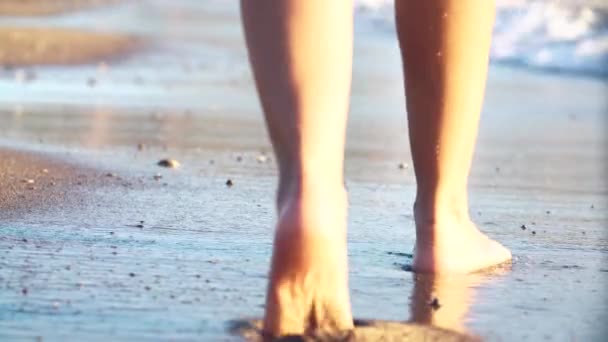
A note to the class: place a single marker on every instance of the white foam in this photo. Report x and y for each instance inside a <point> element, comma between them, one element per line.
<point>568,35</point>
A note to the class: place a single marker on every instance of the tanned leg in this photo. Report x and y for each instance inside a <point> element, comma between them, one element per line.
<point>445,46</point>
<point>301,54</point>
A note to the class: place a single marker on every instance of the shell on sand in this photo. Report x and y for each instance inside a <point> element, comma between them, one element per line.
<point>23,46</point>
<point>365,330</point>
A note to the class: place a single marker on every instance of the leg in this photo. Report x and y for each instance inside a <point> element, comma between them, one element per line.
<point>301,54</point>
<point>445,46</point>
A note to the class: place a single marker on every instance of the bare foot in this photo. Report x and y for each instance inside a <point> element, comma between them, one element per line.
<point>453,244</point>
<point>308,287</point>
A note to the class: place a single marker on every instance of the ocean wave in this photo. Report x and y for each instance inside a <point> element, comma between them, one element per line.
<point>565,36</point>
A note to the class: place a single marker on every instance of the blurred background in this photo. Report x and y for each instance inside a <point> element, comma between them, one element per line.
<point>120,61</point>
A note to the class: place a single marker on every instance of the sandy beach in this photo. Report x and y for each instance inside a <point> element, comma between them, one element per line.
<point>99,242</point>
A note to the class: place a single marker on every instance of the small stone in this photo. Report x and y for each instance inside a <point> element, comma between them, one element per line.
<point>55,305</point>
<point>111,233</point>
<point>435,304</point>
<point>533,232</point>
<point>24,291</point>
<point>548,212</point>
<point>28,181</point>
<point>170,163</point>
<point>229,183</point>
<point>523,227</point>
<point>592,206</point>
<point>20,76</point>
<point>402,166</point>
<point>45,171</point>
<point>239,159</point>
<point>141,147</point>
<point>139,225</point>
<point>131,274</point>
<point>157,177</point>
<point>24,240</point>
<point>147,288</point>
<point>261,159</point>
<point>110,174</point>
<point>102,67</point>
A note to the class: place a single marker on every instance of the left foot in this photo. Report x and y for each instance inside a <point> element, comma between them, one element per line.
<point>308,287</point>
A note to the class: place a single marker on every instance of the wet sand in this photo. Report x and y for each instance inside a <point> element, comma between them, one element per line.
<point>32,181</point>
<point>365,331</point>
<point>160,254</point>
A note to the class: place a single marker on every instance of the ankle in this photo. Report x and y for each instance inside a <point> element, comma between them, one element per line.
<point>435,209</point>
<point>298,187</point>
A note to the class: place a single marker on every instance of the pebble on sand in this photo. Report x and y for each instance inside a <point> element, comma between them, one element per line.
<point>402,166</point>
<point>434,304</point>
<point>157,177</point>
<point>523,227</point>
<point>141,147</point>
<point>24,291</point>
<point>261,159</point>
<point>170,163</point>
<point>28,181</point>
<point>23,76</point>
<point>229,183</point>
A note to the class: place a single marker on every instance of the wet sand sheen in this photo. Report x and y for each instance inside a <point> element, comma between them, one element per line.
<point>89,271</point>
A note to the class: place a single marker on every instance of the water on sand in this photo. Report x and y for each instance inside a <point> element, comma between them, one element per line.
<point>88,268</point>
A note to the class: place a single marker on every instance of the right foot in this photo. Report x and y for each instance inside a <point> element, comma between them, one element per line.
<point>453,244</point>
<point>308,286</point>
